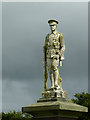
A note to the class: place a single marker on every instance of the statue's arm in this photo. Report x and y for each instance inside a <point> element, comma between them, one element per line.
<point>62,46</point>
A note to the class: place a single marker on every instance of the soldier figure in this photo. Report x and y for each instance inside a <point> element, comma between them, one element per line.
<point>53,55</point>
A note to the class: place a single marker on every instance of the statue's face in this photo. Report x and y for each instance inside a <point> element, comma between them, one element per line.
<point>53,27</point>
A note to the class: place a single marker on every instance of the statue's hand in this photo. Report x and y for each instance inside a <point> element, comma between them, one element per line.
<point>61,53</point>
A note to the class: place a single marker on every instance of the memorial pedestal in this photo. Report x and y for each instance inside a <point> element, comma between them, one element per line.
<point>55,110</point>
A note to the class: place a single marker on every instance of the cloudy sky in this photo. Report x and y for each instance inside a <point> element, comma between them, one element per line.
<point>88,48</point>
<point>24,27</point>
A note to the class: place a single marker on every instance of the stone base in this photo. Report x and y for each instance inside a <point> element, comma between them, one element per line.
<point>54,109</point>
<point>54,105</point>
<point>54,95</point>
<point>56,118</point>
<point>51,93</point>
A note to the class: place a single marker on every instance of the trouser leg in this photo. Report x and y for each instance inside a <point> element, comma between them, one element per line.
<point>49,63</point>
<point>55,77</point>
<point>59,80</point>
<point>52,80</point>
<point>55,71</point>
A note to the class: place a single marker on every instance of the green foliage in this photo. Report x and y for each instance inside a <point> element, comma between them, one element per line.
<point>0,116</point>
<point>15,116</point>
<point>83,99</point>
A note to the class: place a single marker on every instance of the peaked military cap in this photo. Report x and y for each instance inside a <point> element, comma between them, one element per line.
<point>53,22</point>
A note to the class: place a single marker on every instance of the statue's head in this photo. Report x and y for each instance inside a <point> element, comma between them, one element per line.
<point>53,24</point>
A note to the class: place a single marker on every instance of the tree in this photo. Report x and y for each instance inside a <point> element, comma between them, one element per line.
<point>15,116</point>
<point>83,99</point>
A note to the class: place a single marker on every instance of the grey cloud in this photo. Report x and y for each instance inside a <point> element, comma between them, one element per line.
<point>17,93</point>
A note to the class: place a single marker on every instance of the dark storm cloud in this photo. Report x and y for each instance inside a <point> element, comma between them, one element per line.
<point>21,41</point>
<point>22,94</point>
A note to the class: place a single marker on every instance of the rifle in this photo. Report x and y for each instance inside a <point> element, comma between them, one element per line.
<point>45,68</point>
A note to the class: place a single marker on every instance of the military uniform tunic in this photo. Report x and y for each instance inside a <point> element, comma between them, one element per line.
<point>54,44</point>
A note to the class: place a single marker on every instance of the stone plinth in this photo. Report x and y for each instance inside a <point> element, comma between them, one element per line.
<point>54,105</point>
<point>56,118</point>
<point>55,110</point>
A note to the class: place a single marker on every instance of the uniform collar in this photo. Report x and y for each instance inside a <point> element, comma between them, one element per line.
<point>54,32</point>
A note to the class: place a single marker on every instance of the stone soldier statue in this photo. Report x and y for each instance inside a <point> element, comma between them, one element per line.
<point>53,55</point>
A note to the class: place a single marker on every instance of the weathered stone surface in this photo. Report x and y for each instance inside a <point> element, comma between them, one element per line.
<point>55,118</point>
<point>54,109</point>
<point>54,95</point>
